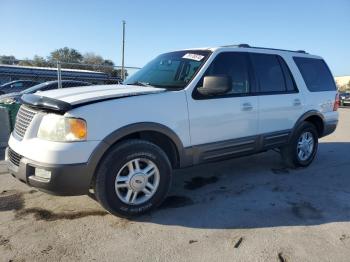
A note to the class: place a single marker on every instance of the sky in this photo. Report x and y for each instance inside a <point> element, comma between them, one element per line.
<point>37,27</point>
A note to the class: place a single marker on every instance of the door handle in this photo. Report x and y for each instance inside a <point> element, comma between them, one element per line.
<point>247,106</point>
<point>296,102</point>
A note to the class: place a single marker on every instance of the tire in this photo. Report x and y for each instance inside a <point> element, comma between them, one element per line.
<point>290,153</point>
<point>124,169</point>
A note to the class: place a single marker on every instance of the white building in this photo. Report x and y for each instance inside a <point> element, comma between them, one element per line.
<point>342,80</point>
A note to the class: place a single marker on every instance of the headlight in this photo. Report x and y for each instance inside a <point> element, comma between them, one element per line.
<point>8,100</point>
<point>62,129</point>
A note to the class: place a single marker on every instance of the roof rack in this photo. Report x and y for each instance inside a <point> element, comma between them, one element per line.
<point>256,47</point>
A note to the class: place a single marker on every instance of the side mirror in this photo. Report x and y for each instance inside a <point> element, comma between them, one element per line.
<point>215,85</point>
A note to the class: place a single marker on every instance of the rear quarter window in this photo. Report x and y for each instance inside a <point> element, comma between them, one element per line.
<point>316,74</point>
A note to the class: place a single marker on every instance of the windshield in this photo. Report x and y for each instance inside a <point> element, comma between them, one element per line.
<point>170,70</point>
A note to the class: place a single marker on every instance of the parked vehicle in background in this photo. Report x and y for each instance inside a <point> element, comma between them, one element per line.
<point>344,99</point>
<point>12,100</point>
<point>50,85</point>
<point>17,86</point>
<point>182,109</point>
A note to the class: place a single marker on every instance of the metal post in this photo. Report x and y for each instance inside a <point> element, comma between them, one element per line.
<point>59,75</point>
<point>123,50</point>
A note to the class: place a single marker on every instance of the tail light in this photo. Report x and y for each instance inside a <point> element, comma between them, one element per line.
<point>336,102</point>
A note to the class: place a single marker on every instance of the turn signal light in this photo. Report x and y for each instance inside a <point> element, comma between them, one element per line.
<point>78,128</point>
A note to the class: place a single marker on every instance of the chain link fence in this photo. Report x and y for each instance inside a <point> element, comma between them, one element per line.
<point>18,77</point>
<point>15,70</point>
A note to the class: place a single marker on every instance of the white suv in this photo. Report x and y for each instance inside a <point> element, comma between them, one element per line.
<point>182,109</point>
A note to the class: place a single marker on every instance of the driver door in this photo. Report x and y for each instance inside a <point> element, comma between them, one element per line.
<point>226,124</point>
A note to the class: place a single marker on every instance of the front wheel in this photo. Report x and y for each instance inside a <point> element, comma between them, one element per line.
<point>133,178</point>
<point>302,148</point>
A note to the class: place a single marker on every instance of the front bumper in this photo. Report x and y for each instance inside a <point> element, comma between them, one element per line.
<point>65,179</point>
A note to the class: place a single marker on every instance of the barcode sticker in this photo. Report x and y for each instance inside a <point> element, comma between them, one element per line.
<point>193,57</point>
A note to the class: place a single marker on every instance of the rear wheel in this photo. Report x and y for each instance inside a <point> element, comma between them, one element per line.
<point>301,150</point>
<point>133,178</point>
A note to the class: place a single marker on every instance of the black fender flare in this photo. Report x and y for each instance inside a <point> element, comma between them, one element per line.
<point>140,127</point>
<point>122,132</point>
<point>305,116</point>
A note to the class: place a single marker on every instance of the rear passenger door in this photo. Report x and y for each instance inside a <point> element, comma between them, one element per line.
<point>279,101</point>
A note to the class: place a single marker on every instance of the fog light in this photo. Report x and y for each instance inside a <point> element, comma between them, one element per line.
<point>42,173</point>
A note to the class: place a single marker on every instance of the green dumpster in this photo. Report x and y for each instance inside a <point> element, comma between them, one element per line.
<point>12,109</point>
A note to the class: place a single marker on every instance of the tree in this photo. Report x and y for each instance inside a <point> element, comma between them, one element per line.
<point>26,62</point>
<point>65,55</point>
<point>36,61</point>
<point>92,59</point>
<point>40,61</point>
<point>8,60</point>
<point>94,62</point>
<point>108,62</point>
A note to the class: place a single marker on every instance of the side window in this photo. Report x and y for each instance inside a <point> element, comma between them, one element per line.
<point>235,65</point>
<point>289,80</point>
<point>17,85</point>
<point>29,84</point>
<point>269,73</point>
<point>316,74</point>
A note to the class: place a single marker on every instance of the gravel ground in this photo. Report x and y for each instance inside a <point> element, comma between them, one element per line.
<point>247,209</point>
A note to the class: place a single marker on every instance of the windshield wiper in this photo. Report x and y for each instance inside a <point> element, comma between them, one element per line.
<point>139,83</point>
<point>169,87</point>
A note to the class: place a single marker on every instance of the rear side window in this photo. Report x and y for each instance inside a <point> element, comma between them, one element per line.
<point>270,73</point>
<point>316,74</point>
<point>16,85</point>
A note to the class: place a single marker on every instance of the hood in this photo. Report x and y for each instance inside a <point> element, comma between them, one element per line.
<point>89,94</point>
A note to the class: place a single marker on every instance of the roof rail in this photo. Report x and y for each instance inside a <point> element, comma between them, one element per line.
<point>244,45</point>
<point>266,48</point>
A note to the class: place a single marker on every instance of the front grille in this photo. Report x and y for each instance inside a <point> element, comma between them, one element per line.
<point>14,157</point>
<point>24,118</point>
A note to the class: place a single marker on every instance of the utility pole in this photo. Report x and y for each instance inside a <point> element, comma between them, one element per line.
<point>59,74</point>
<point>123,50</point>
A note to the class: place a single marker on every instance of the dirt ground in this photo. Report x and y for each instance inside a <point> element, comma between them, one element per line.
<point>247,209</point>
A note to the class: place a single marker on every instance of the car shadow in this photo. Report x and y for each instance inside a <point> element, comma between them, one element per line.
<point>259,192</point>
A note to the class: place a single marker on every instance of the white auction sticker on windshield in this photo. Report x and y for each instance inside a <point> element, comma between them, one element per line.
<point>193,57</point>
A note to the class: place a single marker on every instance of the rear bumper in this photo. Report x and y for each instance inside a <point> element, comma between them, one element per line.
<point>329,127</point>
